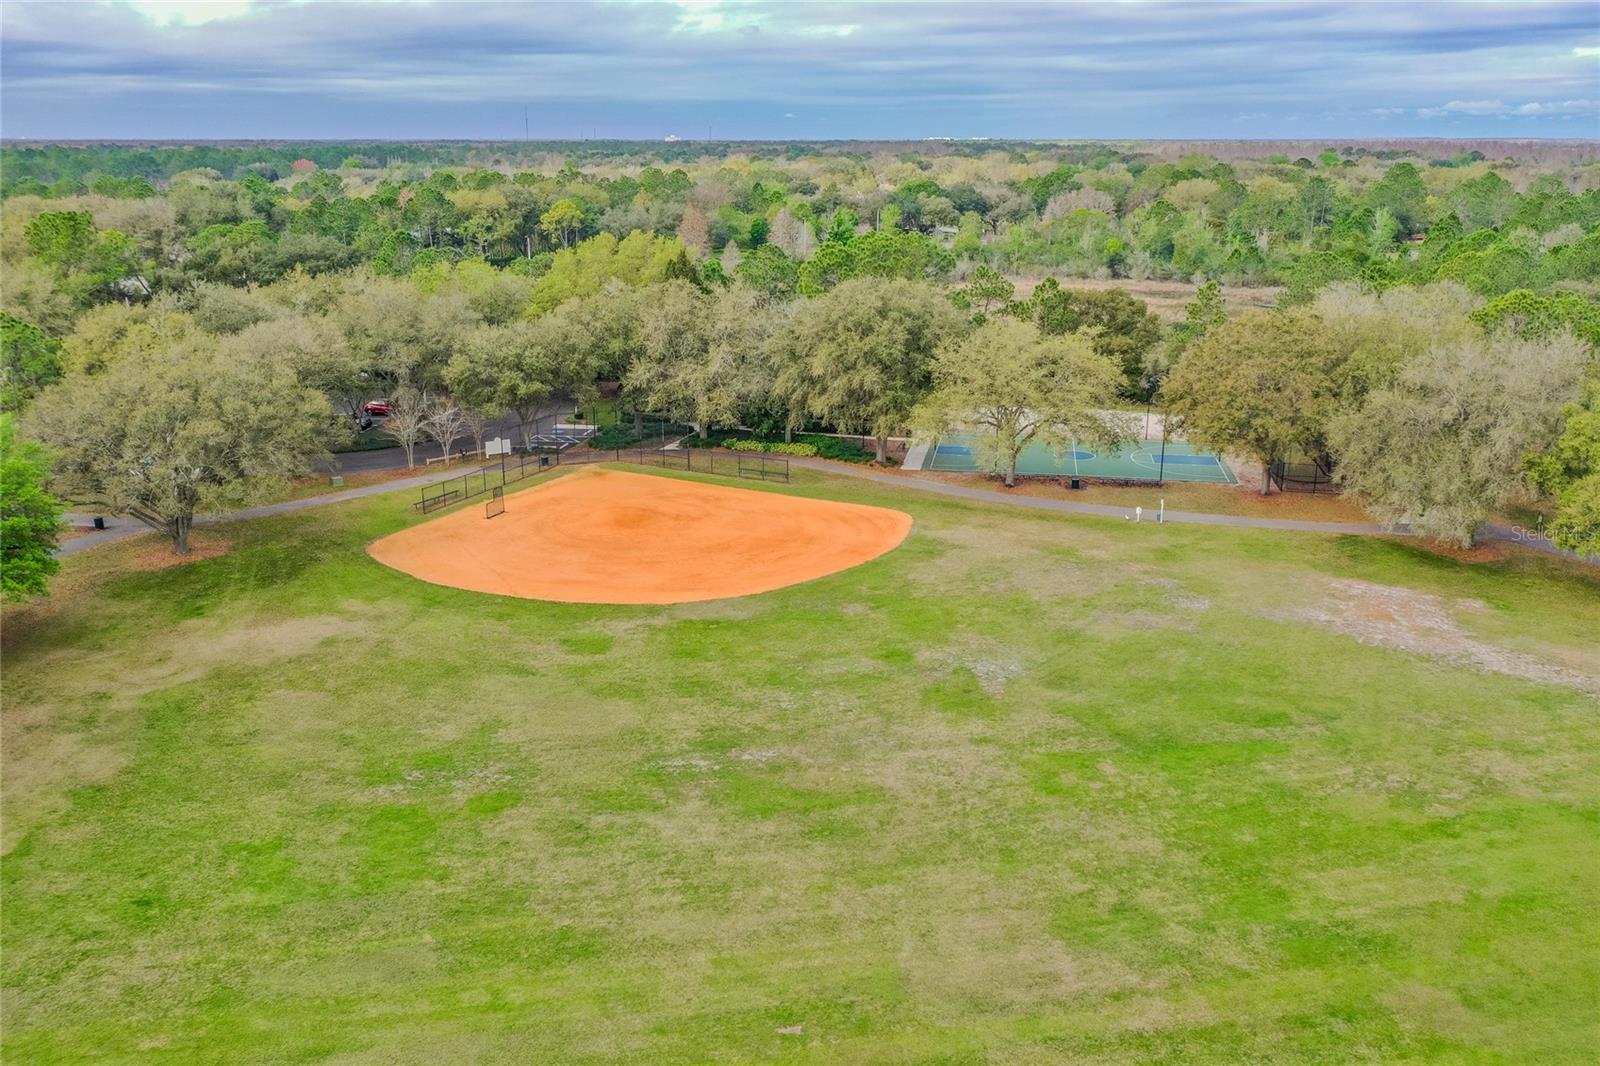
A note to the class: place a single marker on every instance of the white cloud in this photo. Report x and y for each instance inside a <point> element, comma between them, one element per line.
<point>842,30</point>
<point>1477,107</point>
<point>712,16</point>
<point>1500,109</point>
<point>190,12</point>
<point>1562,107</point>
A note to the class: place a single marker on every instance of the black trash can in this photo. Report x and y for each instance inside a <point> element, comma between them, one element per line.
<point>1077,483</point>
<point>99,523</point>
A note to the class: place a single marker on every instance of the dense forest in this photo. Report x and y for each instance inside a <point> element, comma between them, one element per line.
<point>250,214</point>
<point>740,284</point>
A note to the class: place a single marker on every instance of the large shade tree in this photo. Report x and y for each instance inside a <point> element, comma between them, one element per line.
<point>702,357</point>
<point>162,434</point>
<point>402,337</point>
<point>522,368</point>
<point>860,357</point>
<point>1019,387</point>
<point>318,354</point>
<point>1377,333</point>
<point>503,368</point>
<point>1442,446</point>
<point>1262,384</point>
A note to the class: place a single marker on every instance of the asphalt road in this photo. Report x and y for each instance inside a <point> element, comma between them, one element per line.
<point>395,458</point>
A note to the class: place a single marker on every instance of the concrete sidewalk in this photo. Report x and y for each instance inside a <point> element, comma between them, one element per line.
<point>911,481</point>
<point>123,528</point>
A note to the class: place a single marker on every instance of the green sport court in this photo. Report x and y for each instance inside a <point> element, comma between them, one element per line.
<point>1141,461</point>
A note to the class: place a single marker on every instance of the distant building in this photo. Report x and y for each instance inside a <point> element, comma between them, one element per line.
<point>300,166</point>
<point>671,137</point>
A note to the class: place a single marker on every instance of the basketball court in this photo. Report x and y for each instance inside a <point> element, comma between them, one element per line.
<point>1149,460</point>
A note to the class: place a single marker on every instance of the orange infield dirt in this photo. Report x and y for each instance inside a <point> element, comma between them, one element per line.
<point>604,536</point>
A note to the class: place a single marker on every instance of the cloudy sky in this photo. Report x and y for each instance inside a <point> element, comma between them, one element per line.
<point>380,69</point>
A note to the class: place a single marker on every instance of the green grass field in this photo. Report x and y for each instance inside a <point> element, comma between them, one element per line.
<point>1029,789</point>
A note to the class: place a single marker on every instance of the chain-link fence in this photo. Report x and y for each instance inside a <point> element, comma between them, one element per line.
<point>510,469</point>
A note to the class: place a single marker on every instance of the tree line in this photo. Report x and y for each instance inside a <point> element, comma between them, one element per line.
<point>785,215</point>
<point>1437,407</point>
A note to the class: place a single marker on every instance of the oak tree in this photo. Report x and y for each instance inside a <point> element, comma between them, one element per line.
<point>1261,384</point>
<point>1020,387</point>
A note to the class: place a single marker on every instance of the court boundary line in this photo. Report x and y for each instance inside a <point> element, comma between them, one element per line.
<point>1153,462</point>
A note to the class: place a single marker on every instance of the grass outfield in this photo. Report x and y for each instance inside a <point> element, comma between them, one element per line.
<point>1031,788</point>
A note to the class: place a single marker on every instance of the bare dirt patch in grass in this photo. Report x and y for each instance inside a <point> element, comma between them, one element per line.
<point>1421,622</point>
<point>1176,596</point>
<point>1491,551</point>
<point>987,948</point>
<point>43,760</point>
<point>191,650</point>
<point>1150,603</point>
<point>990,668</point>
<point>154,551</point>
<point>265,641</point>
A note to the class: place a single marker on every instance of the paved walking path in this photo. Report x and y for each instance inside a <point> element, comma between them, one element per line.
<point>122,528</point>
<point>911,481</point>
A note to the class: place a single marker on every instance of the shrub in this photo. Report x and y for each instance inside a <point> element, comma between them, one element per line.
<point>771,447</point>
<point>610,438</point>
<point>841,449</point>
